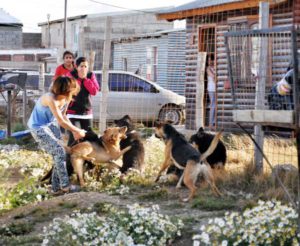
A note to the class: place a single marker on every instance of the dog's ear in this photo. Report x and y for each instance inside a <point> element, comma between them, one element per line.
<point>170,122</point>
<point>159,123</point>
<point>126,117</point>
<point>200,132</point>
<point>123,129</point>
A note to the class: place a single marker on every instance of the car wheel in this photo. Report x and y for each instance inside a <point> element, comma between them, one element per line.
<point>171,114</point>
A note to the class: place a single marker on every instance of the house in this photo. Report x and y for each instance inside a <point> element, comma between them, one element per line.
<point>10,31</point>
<point>206,24</point>
<point>86,32</point>
<point>158,56</point>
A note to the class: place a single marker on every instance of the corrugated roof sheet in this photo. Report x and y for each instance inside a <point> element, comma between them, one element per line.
<point>6,18</point>
<point>197,5</point>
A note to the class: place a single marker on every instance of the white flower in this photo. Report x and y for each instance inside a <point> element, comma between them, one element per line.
<point>39,197</point>
<point>224,243</point>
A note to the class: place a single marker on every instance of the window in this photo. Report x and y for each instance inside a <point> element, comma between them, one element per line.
<point>117,82</point>
<point>23,57</point>
<point>245,48</point>
<point>5,57</point>
<point>137,84</point>
<point>126,82</point>
<point>75,31</point>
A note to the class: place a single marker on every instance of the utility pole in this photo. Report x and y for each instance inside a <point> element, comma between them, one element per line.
<point>65,26</point>
<point>105,70</point>
<point>49,42</point>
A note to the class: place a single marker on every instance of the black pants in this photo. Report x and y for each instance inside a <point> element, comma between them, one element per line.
<point>85,124</point>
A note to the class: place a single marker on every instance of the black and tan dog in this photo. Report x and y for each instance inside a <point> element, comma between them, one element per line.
<point>134,158</point>
<point>98,150</point>
<point>202,140</point>
<point>186,157</point>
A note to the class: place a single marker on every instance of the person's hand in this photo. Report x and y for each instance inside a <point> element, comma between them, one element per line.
<point>79,134</point>
<point>82,74</point>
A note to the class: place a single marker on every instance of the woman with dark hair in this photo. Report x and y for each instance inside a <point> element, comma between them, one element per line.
<point>80,109</point>
<point>48,113</point>
<point>211,88</point>
<point>67,66</point>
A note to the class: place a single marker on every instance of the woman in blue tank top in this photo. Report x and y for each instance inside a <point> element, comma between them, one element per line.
<point>48,113</point>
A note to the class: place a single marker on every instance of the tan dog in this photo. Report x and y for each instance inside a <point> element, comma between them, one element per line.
<point>101,150</point>
<point>187,158</point>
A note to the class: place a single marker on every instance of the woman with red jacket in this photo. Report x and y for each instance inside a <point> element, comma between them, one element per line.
<point>80,109</point>
<point>67,66</point>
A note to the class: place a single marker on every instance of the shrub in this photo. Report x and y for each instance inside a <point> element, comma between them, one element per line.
<point>137,226</point>
<point>268,223</point>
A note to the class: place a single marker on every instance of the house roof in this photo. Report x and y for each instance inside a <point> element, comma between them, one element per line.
<point>148,35</point>
<point>7,19</point>
<point>104,14</point>
<point>202,7</point>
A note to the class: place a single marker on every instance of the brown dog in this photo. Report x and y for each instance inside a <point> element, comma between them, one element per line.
<point>187,158</point>
<point>102,150</point>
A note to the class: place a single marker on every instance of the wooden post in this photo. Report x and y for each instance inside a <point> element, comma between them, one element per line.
<point>261,83</point>
<point>24,95</point>
<point>41,78</point>
<point>9,98</point>
<point>92,55</point>
<point>105,70</point>
<point>296,90</point>
<point>199,117</point>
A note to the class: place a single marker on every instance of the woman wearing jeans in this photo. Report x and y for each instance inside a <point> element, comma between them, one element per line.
<point>48,113</point>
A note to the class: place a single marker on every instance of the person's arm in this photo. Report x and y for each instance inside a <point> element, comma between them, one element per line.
<point>210,72</point>
<point>61,119</point>
<point>91,84</point>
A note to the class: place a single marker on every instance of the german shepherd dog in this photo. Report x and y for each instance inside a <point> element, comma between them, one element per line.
<point>101,150</point>
<point>134,158</point>
<point>186,157</point>
<point>202,140</point>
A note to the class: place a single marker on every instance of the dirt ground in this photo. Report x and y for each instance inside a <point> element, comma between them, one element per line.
<point>41,214</point>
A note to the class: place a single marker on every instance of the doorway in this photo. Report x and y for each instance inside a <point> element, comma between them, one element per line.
<point>207,43</point>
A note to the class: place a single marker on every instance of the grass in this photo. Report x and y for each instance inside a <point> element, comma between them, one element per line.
<point>15,229</point>
<point>68,205</point>
<point>160,194</point>
<point>213,203</point>
<point>22,240</point>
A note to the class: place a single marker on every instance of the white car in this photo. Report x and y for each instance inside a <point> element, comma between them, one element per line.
<point>138,97</point>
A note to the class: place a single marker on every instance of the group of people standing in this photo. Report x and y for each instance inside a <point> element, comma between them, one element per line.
<point>67,105</point>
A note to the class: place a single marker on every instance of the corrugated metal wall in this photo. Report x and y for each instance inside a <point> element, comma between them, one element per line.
<point>171,58</point>
<point>176,62</point>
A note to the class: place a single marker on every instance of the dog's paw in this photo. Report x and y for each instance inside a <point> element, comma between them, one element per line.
<point>185,199</point>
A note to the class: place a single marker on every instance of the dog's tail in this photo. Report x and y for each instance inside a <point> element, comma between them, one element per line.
<point>212,146</point>
<point>47,176</point>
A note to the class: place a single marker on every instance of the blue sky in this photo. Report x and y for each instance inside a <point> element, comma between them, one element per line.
<point>31,12</point>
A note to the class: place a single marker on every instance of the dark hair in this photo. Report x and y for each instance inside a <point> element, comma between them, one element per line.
<point>63,85</point>
<point>67,52</point>
<point>80,60</point>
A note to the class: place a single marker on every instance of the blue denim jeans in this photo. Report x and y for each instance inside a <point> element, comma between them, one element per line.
<point>48,138</point>
<point>212,107</point>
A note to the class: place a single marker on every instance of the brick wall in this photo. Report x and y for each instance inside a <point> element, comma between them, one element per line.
<point>10,37</point>
<point>32,40</point>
